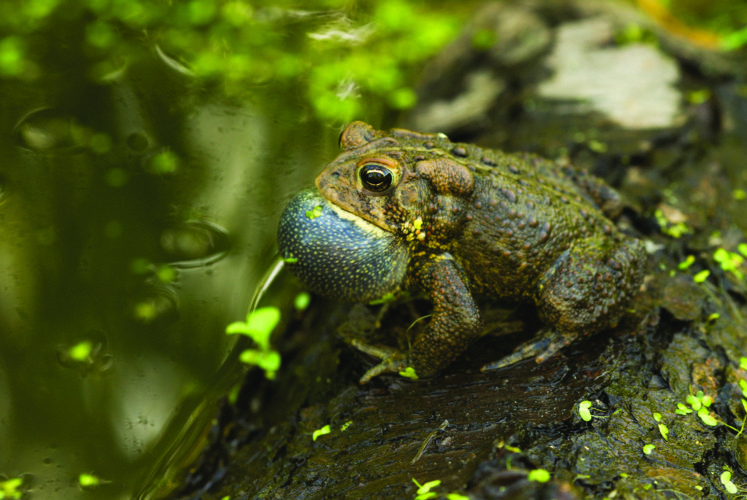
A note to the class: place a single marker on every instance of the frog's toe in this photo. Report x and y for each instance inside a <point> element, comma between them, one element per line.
<point>549,344</point>
<point>392,360</point>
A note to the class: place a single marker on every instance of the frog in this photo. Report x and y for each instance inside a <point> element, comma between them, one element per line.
<point>400,210</point>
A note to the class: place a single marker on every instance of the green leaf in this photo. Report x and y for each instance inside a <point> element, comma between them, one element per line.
<point>685,264</point>
<point>707,418</point>
<point>258,325</point>
<point>427,487</point>
<point>314,212</point>
<point>269,361</point>
<point>727,482</point>
<point>584,410</point>
<point>664,431</point>
<point>743,363</point>
<point>701,276</point>
<point>694,402</point>
<point>648,449</point>
<point>88,480</point>
<point>321,432</point>
<point>682,409</point>
<point>409,372</point>
<point>539,475</point>
<point>302,301</point>
<point>81,351</point>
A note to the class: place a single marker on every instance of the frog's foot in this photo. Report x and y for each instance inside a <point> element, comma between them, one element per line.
<point>549,344</point>
<point>392,360</point>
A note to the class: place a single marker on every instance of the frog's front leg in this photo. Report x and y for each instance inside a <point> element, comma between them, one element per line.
<point>456,319</point>
<point>454,325</point>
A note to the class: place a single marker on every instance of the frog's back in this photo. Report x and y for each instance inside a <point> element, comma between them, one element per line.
<point>557,180</point>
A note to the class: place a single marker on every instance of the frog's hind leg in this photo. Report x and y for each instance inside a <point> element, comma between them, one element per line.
<point>590,285</point>
<point>584,292</point>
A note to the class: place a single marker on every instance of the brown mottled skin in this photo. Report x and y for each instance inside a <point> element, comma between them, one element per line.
<point>481,221</point>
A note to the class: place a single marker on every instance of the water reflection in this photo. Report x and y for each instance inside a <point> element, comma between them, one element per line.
<point>136,214</point>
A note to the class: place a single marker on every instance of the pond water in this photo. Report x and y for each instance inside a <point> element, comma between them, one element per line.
<point>138,212</point>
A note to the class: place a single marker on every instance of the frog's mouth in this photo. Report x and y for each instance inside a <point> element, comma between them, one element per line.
<point>338,254</point>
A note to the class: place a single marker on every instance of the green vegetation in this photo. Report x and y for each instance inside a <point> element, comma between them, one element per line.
<point>584,410</point>
<point>302,300</point>
<point>341,54</point>
<point>11,488</point>
<point>258,326</point>
<point>321,432</point>
<point>424,491</point>
<point>314,212</point>
<point>88,480</point>
<point>663,429</point>
<point>81,351</point>
<point>539,475</point>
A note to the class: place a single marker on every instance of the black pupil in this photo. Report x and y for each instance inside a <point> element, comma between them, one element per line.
<point>376,177</point>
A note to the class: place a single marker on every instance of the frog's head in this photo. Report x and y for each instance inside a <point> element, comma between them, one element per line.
<point>338,254</point>
<point>402,182</point>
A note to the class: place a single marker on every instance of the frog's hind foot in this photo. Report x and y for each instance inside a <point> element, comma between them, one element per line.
<point>546,346</point>
<point>392,360</point>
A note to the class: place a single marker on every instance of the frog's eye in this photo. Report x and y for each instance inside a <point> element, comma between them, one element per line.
<point>375,177</point>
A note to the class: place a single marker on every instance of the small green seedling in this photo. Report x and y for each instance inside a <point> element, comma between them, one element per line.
<point>725,479</point>
<point>409,372</point>
<point>258,326</point>
<point>456,496</point>
<point>321,432</point>
<point>290,259</point>
<point>699,400</point>
<point>707,418</point>
<point>424,491</point>
<point>663,429</point>
<point>584,410</point>
<point>729,262</point>
<point>685,264</point>
<point>700,404</point>
<point>539,475</point>
<point>743,363</point>
<point>682,409</point>
<point>648,448</point>
<point>345,426</point>
<point>701,276</point>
